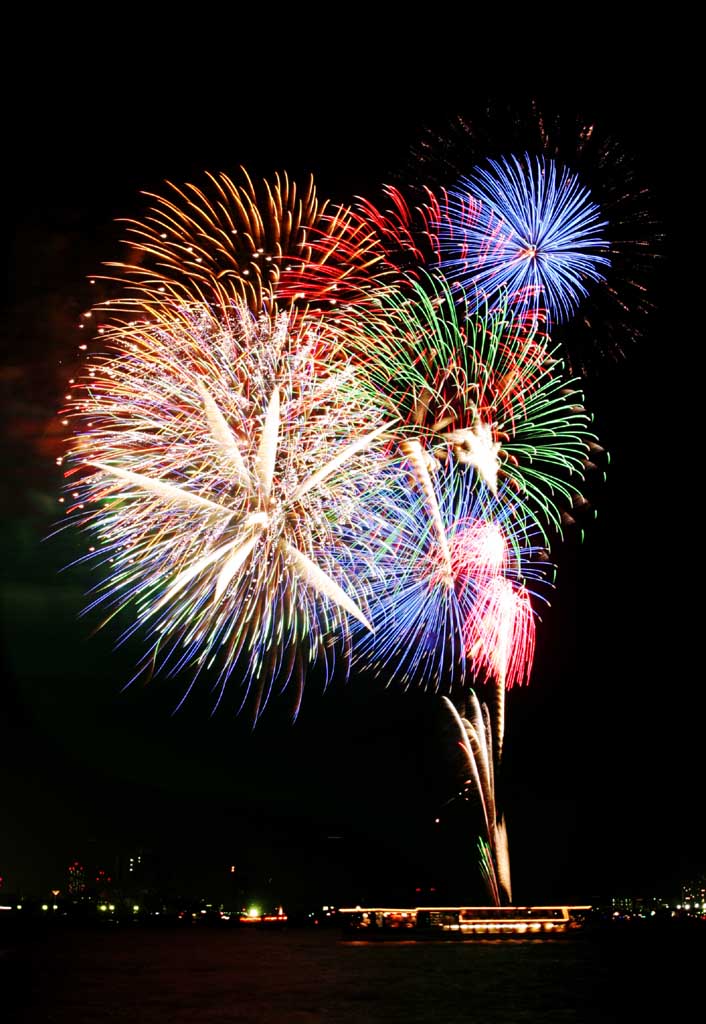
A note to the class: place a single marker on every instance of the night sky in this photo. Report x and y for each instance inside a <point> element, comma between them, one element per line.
<point>603,777</point>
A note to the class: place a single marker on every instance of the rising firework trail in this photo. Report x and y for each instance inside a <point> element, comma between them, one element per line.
<point>475,741</point>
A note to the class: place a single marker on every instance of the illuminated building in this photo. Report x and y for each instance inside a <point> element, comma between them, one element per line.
<point>694,891</point>
<point>76,885</point>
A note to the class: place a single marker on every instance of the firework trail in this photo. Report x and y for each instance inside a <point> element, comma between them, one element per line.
<point>223,462</point>
<point>476,744</point>
<point>451,603</point>
<point>407,234</point>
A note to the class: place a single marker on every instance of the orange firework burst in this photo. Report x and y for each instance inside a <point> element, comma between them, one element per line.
<point>265,243</point>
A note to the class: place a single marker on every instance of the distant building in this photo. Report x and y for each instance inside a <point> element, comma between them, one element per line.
<point>77,882</point>
<point>638,905</point>
<point>694,891</point>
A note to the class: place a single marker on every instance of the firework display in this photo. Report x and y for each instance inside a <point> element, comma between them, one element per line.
<point>613,316</point>
<point>229,463</point>
<point>440,609</point>
<point>344,436</point>
<point>266,243</point>
<point>524,228</point>
<point>481,386</point>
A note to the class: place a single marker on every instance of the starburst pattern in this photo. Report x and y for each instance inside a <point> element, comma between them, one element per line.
<point>228,458</point>
<point>523,228</point>
<point>325,433</point>
<point>616,312</point>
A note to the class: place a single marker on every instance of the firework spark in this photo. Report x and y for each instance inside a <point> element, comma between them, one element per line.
<point>480,387</point>
<point>521,227</point>
<point>407,233</point>
<point>225,460</point>
<point>438,620</point>
<point>267,244</point>
<point>615,314</point>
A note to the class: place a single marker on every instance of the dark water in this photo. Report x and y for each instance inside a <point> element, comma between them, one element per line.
<point>306,977</point>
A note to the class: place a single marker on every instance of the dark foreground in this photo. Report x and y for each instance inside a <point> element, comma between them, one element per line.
<point>203,976</point>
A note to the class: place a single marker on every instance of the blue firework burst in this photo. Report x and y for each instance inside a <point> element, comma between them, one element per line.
<point>524,227</point>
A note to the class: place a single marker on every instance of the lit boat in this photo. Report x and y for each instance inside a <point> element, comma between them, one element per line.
<point>462,922</point>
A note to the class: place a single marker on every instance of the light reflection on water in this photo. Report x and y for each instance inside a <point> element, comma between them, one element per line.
<point>204,976</point>
<point>520,940</point>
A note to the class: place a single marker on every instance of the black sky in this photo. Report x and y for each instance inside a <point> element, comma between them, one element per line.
<point>603,779</point>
